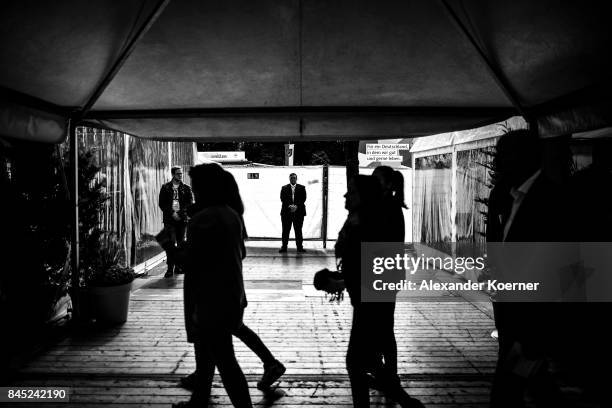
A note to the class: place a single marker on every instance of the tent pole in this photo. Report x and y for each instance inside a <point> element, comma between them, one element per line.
<point>125,54</point>
<point>74,198</point>
<point>325,204</point>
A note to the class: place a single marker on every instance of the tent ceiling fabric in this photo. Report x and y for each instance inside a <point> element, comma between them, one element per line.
<point>208,54</point>
<point>268,127</point>
<point>200,58</point>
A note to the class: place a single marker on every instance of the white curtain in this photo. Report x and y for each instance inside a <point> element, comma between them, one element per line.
<point>432,206</point>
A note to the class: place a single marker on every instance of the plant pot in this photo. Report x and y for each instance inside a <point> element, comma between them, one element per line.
<point>110,303</point>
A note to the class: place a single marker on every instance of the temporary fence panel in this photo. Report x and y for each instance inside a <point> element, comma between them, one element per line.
<point>260,190</point>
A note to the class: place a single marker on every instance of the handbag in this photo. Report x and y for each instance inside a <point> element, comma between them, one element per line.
<point>331,282</point>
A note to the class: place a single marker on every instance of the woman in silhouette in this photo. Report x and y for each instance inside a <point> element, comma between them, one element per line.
<point>214,294</point>
<point>392,185</point>
<point>364,201</point>
<point>273,369</point>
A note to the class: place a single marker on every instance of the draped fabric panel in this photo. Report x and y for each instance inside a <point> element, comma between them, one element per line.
<point>108,150</point>
<point>432,193</point>
<point>149,170</point>
<point>182,154</point>
<point>473,187</point>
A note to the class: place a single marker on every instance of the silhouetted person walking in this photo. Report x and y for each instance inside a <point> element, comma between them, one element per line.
<point>174,198</point>
<point>392,202</point>
<point>273,369</point>
<point>214,294</point>
<point>293,211</point>
<point>364,203</point>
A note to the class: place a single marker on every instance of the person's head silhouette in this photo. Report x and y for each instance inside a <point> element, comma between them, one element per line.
<point>518,157</point>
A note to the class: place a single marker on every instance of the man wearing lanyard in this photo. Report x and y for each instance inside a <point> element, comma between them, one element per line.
<point>174,198</point>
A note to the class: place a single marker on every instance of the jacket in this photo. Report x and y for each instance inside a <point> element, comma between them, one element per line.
<point>165,201</point>
<point>299,200</point>
<point>214,296</point>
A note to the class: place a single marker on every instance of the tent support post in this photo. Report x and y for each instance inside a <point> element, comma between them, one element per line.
<point>74,199</point>
<point>325,204</point>
<point>494,71</point>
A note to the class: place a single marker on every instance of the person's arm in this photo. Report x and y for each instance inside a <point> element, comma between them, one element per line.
<point>161,198</point>
<point>163,201</point>
<point>190,195</point>
<point>188,201</point>
<point>284,197</point>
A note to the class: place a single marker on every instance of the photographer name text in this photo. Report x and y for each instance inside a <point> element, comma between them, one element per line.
<point>430,285</point>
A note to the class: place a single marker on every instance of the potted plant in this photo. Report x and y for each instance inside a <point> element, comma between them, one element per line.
<point>108,282</point>
<point>105,278</point>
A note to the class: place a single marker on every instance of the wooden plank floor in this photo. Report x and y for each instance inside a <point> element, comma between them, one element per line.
<point>445,352</point>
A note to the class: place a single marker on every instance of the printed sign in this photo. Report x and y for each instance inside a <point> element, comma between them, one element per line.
<point>385,152</point>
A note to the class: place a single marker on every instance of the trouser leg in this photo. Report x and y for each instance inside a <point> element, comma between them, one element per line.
<point>388,344</point>
<point>170,261</point>
<point>298,221</point>
<point>222,350</point>
<point>181,230</point>
<point>508,389</point>
<point>357,359</point>
<point>252,341</point>
<point>205,370</point>
<point>286,222</point>
<point>383,322</point>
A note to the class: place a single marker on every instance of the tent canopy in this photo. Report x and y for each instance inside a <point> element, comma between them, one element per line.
<point>300,69</point>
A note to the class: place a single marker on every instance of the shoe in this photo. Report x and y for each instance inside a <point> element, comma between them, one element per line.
<point>188,382</point>
<point>405,400</point>
<point>184,404</point>
<point>271,373</point>
<point>282,250</point>
<point>411,403</point>
<point>301,250</point>
<point>168,274</point>
<point>373,383</point>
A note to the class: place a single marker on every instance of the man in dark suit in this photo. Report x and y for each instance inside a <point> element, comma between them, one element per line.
<point>525,206</point>
<point>293,211</point>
